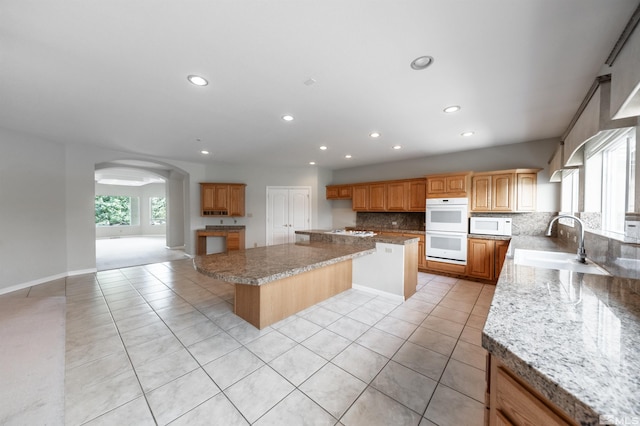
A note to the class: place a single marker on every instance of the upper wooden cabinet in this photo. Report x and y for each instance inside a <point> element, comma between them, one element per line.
<point>406,195</point>
<point>222,199</point>
<point>397,196</point>
<point>448,185</point>
<point>339,192</point>
<point>504,191</point>
<point>360,197</point>
<point>417,195</point>
<point>377,197</point>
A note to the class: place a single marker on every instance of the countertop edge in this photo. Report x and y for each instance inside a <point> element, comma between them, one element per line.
<point>284,274</point>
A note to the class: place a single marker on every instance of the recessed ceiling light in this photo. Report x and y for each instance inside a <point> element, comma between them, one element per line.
<point>465,134</point>
<point>347,156</point>
<point>421,62</point>
<point>197,80</point>
<point>204,152</point>
<point>323,148</point>
<point>312,163</point>
<point>452,108</point>
<point>374,135</point>
<point>287,117</point>
<point>397,147</point>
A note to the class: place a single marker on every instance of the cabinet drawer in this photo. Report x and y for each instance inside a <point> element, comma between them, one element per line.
<point>519,406</point>
<point>233,241</point>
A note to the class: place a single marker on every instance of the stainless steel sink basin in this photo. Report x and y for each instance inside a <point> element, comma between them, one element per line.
<point>555,260</point>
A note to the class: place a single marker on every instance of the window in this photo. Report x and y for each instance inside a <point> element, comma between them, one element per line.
<point>158,208</point>
<point>112,210</point>
<point>570,191</point>
<point>610,178</point>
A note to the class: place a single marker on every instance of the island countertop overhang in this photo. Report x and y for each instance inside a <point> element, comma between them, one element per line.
<point>262,265</point>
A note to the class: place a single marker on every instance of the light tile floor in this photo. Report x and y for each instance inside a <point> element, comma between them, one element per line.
<point>159,344</point>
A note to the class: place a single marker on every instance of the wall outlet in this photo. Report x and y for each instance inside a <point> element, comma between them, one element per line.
<point>220,221</point>
<point>249,214</point>
<point>388,250</point>
<point>255,245</point>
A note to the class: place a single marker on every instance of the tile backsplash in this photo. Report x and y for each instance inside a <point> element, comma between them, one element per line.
<point>390,220</point>
<point>534,223</point>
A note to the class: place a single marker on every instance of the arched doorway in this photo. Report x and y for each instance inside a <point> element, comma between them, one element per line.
<point>141,208</point>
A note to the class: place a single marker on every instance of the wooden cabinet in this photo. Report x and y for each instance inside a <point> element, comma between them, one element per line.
<point>512,401</point>
<point>222,199</point>
<point>417,195</point>
<point>480,260</point>
<point>448,185</point>
<point>360,201</point>
<point>504,191</point>
<point>502,246</point>
<point>485,258</point>
<point>397,196</point>
<point>339,192</point>
<point>526,190</point>
<point>406,195</point>
<point>234,239</point>
<point>377,197</point>
<point>422,260</point>
<point>493,192</point>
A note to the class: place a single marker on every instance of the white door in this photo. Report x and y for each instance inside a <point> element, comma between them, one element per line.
<point>288,210</point>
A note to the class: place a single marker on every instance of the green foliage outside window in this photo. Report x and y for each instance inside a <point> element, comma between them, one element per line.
<point>113,210</point>
<point>158,210</point>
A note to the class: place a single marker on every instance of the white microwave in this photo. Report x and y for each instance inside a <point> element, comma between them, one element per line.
<point>490,226</point>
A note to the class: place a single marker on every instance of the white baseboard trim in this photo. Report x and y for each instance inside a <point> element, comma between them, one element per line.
<point>46,280</point>
<point>391,296</point>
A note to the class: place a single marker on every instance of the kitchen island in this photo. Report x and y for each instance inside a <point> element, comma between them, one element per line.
<point>569,341</point>
<point>274,282</point>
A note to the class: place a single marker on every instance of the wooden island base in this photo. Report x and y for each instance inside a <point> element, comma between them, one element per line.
<point>263,305</point>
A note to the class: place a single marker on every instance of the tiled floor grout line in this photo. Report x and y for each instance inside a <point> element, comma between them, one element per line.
<point>160,278</point>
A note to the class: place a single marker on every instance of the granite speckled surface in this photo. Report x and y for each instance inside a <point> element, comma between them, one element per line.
<point>223,228</point>
<point>573,337</point>
<point>262,265</point>
<point>323,235</point>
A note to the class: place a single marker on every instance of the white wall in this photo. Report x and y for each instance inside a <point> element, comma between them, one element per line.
<point>257,179</point>
<point>32,209</point>
<point>534,154</point>
<point>47,211</point>
<point>47,194</point>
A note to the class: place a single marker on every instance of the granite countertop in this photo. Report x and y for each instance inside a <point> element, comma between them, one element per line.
<point>573,337</point>
<point>399,231</point>
<point>325,235</point>
<point>223,228</point>
<point>490,237</point>
<point>261,265</point>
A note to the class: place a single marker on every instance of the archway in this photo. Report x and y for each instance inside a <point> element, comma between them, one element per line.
<point>137,241</point>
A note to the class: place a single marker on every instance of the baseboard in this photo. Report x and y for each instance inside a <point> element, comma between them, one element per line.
<point>46,280</point>
<point>391,296</point>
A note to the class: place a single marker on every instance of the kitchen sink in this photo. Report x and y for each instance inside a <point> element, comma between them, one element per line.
<point>555,260</point>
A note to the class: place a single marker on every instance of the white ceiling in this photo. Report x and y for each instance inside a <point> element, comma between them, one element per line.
<point>113,74</point>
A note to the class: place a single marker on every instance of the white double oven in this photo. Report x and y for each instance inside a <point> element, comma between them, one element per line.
<point>447,224</point>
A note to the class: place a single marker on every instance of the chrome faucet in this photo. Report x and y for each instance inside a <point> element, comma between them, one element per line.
<point>582,255</point>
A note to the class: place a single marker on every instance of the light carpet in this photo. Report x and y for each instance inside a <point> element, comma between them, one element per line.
<point>115,253</point>
<point>32,363</point>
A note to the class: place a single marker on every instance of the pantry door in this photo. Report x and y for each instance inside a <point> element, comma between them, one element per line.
<point>288,211</point>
